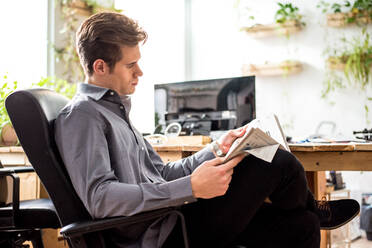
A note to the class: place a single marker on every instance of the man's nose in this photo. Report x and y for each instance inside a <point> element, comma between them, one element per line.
<point>139,72</point>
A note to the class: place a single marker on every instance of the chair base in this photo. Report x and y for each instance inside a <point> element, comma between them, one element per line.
<point>16,238</point>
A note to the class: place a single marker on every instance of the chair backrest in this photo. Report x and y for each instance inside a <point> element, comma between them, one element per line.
<point>32,113</point>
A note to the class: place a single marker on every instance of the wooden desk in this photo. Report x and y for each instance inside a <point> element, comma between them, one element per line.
<point>316,158</point>
<point>338,157</point>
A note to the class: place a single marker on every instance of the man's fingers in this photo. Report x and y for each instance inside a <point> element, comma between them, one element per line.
<point>238,132</point>
<point>216,161</point>
<point>233,162</point>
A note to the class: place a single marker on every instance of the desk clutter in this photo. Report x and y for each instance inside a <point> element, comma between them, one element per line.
<point>159,139</point>
<point>365,134</point>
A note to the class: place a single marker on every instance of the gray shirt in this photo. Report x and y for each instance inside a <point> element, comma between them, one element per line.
<point>114,170</point>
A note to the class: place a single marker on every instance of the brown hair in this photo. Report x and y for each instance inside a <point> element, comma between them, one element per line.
<point>102,35</point>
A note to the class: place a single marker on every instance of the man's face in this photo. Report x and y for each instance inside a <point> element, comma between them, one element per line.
<point>124,77</point>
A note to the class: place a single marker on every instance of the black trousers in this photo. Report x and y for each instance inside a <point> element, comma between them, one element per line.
<point>241,217</point>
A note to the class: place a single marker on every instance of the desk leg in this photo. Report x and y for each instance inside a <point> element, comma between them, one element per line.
<point>317,184</point>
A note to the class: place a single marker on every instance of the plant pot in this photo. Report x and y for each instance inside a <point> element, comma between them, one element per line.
<point>286,28</point>
<point>80,7</point>
<point>270,69</point>
<point>338,63</point>
<point>341,19</point>
<point>8,135</point>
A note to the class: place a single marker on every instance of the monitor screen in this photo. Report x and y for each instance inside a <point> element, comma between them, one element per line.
<point>205,105</point>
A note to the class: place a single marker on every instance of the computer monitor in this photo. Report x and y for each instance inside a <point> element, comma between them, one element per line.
<point>203,106</point>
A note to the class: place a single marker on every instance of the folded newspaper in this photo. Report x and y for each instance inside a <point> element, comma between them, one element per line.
<point>262,139</point>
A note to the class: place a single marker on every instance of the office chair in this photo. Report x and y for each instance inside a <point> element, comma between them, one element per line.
<point>23,220</point>
<point>33,113</point>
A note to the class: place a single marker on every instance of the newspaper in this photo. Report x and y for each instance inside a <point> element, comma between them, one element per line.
<point>262,139</point>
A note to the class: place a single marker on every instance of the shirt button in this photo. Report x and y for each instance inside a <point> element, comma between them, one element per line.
<point>121,107</point>
<point>112,93</point>
<point>142,148</point>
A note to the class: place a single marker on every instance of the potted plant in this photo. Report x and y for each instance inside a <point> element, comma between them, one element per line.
<point>360,12</point>
<point>355,63</point>
<point>287,19</point>
<point>8,136</point>
<point>355,60</point>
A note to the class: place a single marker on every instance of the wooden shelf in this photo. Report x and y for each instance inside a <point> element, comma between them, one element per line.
<point>259,30</point>
<point>337,63</point>
<point>340,19</point>
<point>271,69</point>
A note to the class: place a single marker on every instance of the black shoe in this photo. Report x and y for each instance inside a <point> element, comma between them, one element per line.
<point>333,214</point>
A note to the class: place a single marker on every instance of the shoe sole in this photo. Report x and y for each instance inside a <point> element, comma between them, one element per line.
<point>335,227</point>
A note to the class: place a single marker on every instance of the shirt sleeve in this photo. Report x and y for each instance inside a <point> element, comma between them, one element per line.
<point>182,167</point>
<point>81,140</point>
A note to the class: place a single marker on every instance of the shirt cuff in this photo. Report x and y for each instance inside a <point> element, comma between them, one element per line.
<point>181,191</point>
<point>205,154</point>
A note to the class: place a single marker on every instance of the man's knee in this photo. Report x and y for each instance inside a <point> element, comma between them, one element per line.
<point>287,160</point>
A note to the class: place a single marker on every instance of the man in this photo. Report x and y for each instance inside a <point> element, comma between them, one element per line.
<point>117,173</point>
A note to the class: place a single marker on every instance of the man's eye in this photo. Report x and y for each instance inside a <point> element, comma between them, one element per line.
<point>131,65</point>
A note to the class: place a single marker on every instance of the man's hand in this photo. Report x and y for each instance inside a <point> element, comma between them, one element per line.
<point>212,178</point>
<point>226,140</point>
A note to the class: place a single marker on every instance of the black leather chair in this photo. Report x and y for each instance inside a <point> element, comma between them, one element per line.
<point>23,220</point>
<point>32,113</point>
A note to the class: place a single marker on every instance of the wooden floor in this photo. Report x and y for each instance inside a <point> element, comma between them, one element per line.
<point>361,243</point>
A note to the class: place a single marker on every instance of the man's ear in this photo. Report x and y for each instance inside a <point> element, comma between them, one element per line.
<point>100,67</point>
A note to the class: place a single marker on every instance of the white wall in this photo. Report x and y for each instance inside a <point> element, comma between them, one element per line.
<point>23,42</point>
<point>220,50</point>
<point>163,54</point>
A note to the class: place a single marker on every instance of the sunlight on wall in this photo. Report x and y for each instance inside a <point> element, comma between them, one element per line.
<point>220,49</point>
<point>23,42</point>
<point>162,55</point>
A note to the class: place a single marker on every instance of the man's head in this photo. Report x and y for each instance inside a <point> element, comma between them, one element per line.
<point>107,44</point>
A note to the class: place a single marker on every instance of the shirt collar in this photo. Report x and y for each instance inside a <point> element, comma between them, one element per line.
<point>97,92</point>
<point>93,91</point>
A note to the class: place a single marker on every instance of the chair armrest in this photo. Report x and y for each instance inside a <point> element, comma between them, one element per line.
<point>16,169</point>
<point>81,228</point>
<point>12,172</point>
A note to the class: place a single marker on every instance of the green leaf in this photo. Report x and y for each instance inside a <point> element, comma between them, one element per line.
<point>350,19</point>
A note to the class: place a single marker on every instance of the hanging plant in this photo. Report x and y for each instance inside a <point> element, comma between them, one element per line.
<point>360,13</point>
<point>355,61</point>
<point>73,12</point>
<point>287,19</point>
